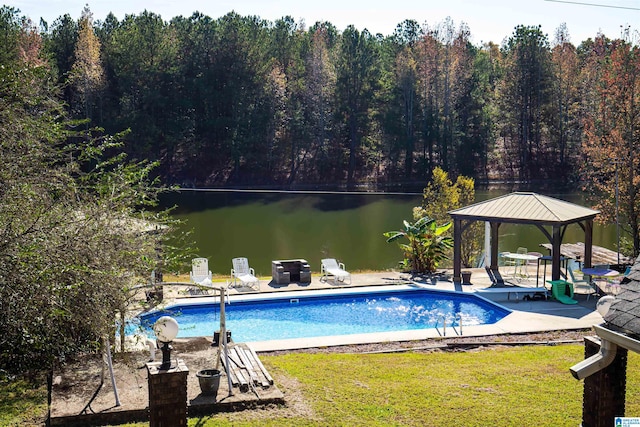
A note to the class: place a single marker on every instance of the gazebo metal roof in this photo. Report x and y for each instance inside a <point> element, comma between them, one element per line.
<point>524,208</point>
<point>528,208</point>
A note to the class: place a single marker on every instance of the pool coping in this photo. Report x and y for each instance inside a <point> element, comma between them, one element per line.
<point>517,322</point>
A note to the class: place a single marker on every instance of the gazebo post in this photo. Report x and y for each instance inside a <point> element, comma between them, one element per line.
<point>588,243</point>
<point>494,245</point>
<point>555,255</point>
<point>457,258</point>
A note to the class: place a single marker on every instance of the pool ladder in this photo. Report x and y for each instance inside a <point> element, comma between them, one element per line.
<point>453,326</point>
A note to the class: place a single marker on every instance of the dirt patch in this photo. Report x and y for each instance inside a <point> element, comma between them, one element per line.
<point>84,388</point>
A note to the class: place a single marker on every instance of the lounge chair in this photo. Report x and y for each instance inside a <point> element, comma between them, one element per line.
<point>200,275</point>
<point>495,277</point>
<point>331,267</point>
<point>578,280</point>
<point>514,290</point>
<point>245,274</point>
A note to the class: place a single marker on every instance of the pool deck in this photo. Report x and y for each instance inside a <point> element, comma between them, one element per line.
<point>527,315</point>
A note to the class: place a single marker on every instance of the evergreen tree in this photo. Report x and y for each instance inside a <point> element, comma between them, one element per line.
<point>87,74</point>
<point>356,84</point>
<point>525,101</point>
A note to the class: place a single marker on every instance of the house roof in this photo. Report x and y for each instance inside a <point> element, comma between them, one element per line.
<point>530,208</point>
<point>624,313</point>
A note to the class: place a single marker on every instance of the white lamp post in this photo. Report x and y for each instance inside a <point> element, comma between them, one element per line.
<point>166,330</point>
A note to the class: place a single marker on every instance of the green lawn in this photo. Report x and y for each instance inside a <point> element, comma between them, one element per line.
<point>22,404</point>
<point>523,386</point>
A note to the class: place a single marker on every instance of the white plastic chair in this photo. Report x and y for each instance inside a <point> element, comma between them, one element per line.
<point>200,275</point>
<point>200,270</point>
<point>532,261</point>
<point>505,261</point>
<point>521,265</point>
<point>331,267</point>
<point>245,274</point>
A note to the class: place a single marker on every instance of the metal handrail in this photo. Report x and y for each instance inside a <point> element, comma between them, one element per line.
<point>444,326</point>
<point>459,318</point>
<point>453,325</point>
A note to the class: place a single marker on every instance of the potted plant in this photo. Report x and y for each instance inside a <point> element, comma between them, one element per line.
<point>466,277</point>
<point>209,380</point>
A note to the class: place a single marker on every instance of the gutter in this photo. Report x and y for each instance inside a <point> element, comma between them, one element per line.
<point>611,340</point>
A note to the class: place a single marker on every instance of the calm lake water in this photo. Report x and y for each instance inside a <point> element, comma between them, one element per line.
<point>278,225</point>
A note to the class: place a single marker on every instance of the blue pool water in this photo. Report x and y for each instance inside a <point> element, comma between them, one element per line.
<point>309,314</point>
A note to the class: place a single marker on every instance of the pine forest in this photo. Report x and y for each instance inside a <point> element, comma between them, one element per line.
<point>240,101</point>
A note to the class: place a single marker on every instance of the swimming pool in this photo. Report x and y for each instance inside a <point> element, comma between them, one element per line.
<point>344,311</point>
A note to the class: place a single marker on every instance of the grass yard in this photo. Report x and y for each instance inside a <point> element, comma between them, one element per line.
<point>523,386</point>
<point>21,404</point>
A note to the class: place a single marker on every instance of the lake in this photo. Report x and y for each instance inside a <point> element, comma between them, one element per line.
<point>265,226</point>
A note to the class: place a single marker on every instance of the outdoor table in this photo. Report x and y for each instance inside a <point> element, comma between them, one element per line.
<point>605,273</point>
<point>599,272</point>
<point>521,260</point>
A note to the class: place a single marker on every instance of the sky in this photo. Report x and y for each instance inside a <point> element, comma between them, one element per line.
<point>488,20</point>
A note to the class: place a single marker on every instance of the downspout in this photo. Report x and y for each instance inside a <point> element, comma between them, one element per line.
<point>595,363</point>
<point>610,341</point>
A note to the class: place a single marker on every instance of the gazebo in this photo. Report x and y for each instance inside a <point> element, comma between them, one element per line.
<point>524,208</point>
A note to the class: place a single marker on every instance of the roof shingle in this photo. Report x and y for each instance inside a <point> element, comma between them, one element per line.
<point>624,314</point>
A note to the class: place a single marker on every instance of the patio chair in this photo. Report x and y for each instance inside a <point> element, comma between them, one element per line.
<point>520,263</point>
<point>507,262</point>
<point>613,284</point>
<point>200,275</point>
<point>245,274</point>
<point>531,261</point>
<point>331,267</point>
<point>578,280</point>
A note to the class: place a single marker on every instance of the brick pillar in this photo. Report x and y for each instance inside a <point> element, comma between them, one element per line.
<point>167,395</point>
<point>604,391</point>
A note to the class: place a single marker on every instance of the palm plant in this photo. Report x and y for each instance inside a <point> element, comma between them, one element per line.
<point>426,244</point>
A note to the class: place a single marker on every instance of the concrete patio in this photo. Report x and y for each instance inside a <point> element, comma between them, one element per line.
<point>527,315</point>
